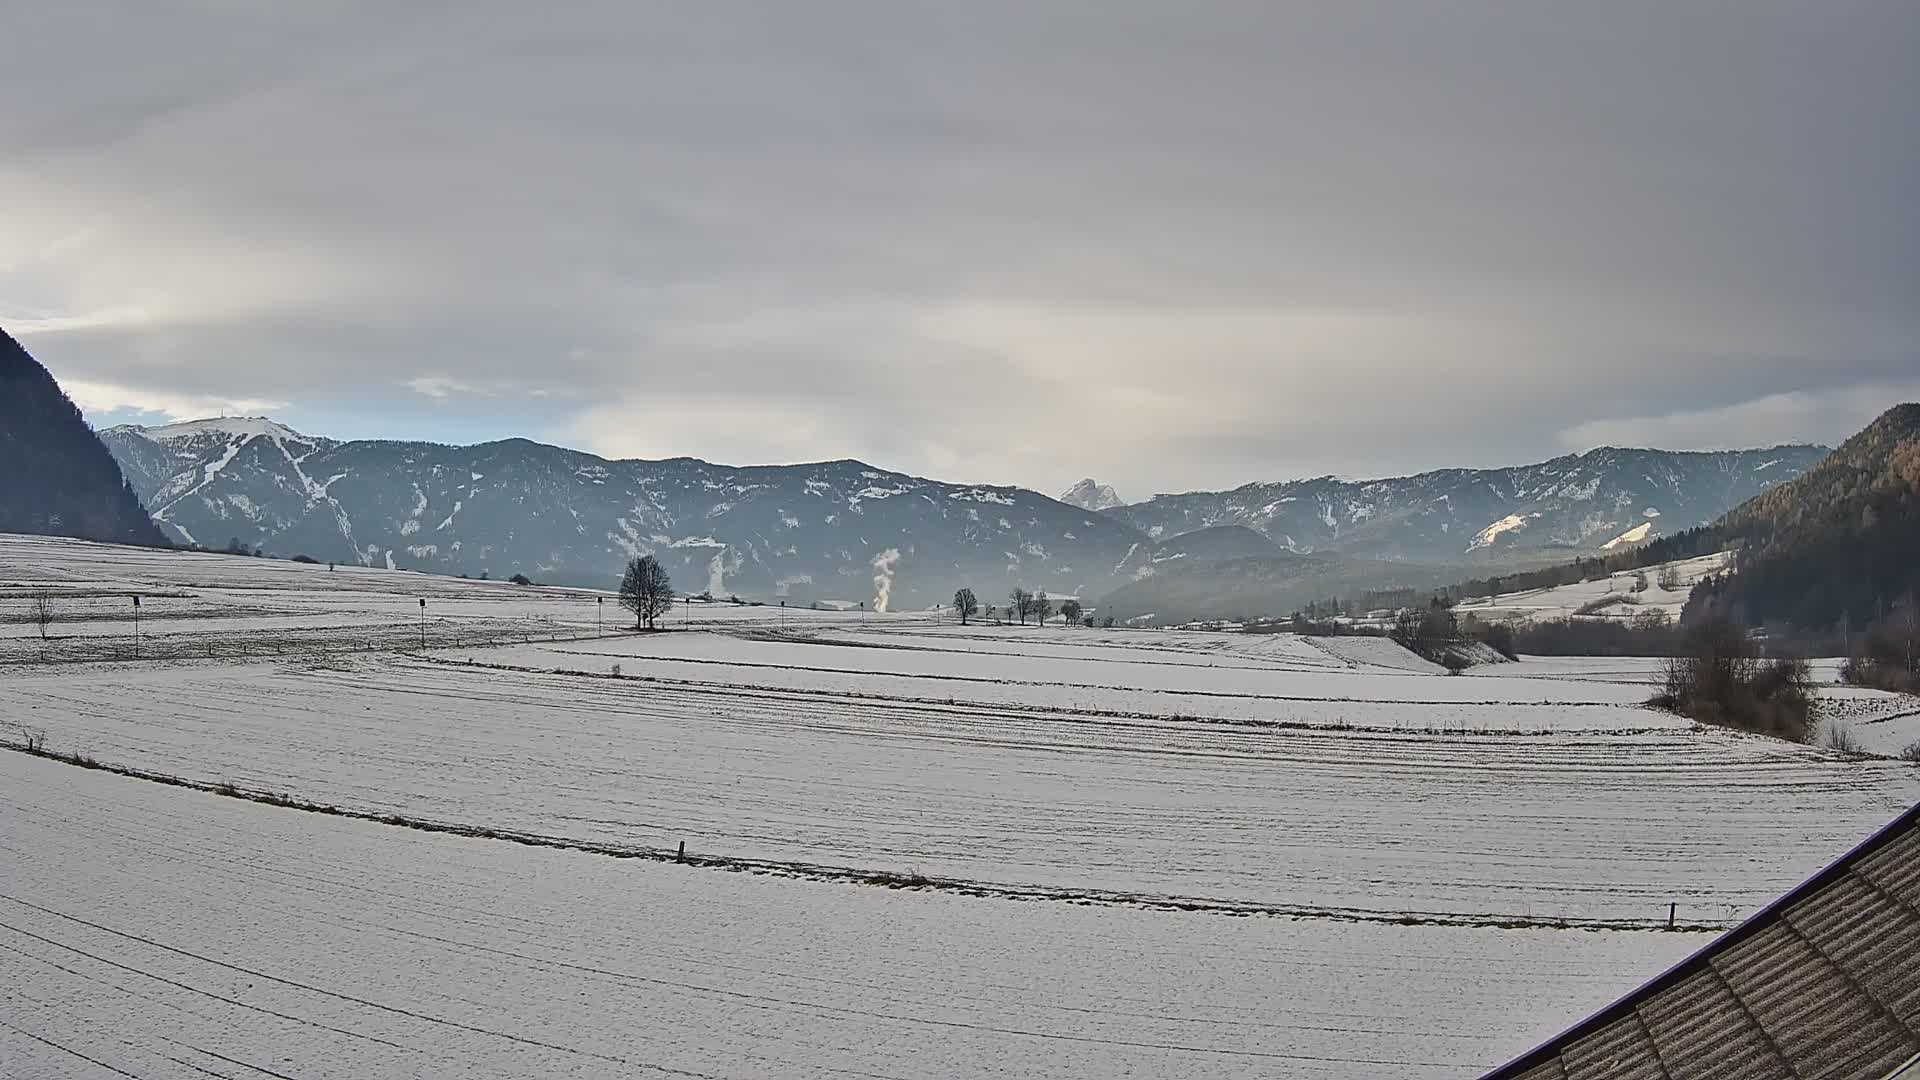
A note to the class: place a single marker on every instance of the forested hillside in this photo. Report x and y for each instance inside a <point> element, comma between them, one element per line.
<point>1841,543</point>
<point>55,477</point>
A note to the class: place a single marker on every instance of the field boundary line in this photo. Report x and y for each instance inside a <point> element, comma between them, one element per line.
<point>890,879</point>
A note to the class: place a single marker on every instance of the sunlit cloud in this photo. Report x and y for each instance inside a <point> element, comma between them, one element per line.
<point>96,398</point>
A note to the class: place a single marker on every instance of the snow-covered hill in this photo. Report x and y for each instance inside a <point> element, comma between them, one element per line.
<point>1617,596</point>
<point>837,530</point>
<point>1603,498</point>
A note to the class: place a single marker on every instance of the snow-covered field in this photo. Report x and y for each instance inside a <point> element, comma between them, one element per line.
<point>1431,872</point>
<point>1610,597</point>
<point>168,934</point>
<point>200,606</point>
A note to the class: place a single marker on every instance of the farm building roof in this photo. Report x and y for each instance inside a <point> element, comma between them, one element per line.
<point>1825,982</point>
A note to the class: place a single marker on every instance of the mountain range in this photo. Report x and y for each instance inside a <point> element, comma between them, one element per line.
<point>1603,498</point>
<point>837,531</point>
<point>846,532</point>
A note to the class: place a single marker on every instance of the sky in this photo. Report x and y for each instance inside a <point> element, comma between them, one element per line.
<point>1170,246</point>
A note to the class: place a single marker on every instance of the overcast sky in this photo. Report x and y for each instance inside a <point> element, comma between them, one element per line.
<point>1170,245</point>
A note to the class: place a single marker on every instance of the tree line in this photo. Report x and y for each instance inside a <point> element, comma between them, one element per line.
<point>1022,604</point>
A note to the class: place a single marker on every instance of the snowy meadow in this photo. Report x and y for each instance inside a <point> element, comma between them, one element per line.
<point>336,832</point>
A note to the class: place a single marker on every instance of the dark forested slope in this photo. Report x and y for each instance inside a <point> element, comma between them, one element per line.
<point>56,477</point>
<point>1839,543</point>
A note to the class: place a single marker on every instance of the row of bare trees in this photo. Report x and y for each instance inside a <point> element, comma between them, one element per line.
<point>1022,605</point>
<point>1888,654</point>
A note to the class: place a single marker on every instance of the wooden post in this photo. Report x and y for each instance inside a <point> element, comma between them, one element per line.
<point>682,857</point>
<point>1671,909</point>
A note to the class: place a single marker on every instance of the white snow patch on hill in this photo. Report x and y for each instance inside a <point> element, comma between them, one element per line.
<point>242,428</point>
<point>1486,537</point>
<point>1632,536</point>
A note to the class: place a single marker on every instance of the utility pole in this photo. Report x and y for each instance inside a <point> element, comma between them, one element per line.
<point>136,626</point>
<point>423,622</point>
<point>599,616</point>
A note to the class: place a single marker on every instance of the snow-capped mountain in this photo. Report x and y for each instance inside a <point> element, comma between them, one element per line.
<point>1088,495</point>
<point>831,531</point>
<point>845,531</point>
<point>1602,498</point>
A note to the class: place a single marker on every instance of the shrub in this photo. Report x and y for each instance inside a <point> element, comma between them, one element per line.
<point>1839,737</point>
<point>1499,637</point>
<point>521,579</point>
<point>1454,662</point>
<point>1911,753</point>
<point>308,559</point>
<point>1887,656</point>
<point>1601,603</point>
<point>1718,678</point>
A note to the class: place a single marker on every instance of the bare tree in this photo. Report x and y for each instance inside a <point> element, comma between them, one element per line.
<point>1070,610</point>
<point>966,604</point>
<point>1042,607</point>
<point>1904,621</point>
<point>1669,579</point>
<point>43,611</point>
<point>646,591</point>
<point>1020,602</point>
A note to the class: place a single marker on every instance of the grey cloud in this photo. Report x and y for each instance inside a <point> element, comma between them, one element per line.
<point>1169,246</point>
<point>1775,419</point>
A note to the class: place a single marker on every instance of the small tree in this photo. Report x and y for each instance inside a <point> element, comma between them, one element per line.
<point>966,604</point>
<point>1669,579</point>
<point>1639,581</point>
<point>43,611</point>
<point>646,591</point>
<point>1042,607</point>
<point>1070,610</point>
<point>1020,603</point>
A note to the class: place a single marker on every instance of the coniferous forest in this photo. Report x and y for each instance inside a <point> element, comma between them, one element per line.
<point>56,478</point>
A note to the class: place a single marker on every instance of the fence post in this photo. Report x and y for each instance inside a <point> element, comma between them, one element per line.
<point>1671,909</point>
<point>682,856</point>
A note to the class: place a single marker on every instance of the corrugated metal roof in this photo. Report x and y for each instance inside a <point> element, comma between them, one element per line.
<point>1824,983</point>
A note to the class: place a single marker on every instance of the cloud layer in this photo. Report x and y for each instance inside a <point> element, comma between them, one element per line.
<point>1170,246</point>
